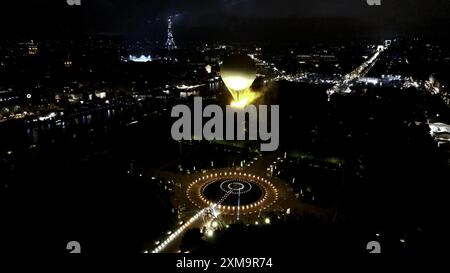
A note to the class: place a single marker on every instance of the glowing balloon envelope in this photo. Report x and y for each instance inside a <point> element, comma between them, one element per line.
<point>238,73</point>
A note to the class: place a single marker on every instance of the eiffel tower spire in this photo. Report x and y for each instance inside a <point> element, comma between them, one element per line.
<point>170,43</point>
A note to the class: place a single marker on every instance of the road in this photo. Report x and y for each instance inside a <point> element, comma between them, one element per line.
<point>343,86</point>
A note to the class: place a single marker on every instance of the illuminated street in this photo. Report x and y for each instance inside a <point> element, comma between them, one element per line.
<point>343,86</point>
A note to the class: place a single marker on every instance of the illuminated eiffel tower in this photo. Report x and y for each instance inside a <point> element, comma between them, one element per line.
<point>170,43</point>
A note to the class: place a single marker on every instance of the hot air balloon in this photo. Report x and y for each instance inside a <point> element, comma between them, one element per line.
<point>238,73</point>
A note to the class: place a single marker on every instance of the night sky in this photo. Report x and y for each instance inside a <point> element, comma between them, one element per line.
<point>226,19</point>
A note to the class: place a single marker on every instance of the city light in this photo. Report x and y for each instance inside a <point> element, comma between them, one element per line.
<point>140,59</point>
<point>240,137</point>
<point>210,233</point>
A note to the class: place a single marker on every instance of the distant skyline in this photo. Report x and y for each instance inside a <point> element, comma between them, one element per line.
<point>226,19</point>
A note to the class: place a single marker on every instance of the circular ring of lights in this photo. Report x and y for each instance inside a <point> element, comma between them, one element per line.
<point>228,185</point>
<point>256,193</point>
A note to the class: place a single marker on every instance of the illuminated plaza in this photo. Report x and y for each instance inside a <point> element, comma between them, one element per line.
<point>233,193</point>
<point>217,198</point>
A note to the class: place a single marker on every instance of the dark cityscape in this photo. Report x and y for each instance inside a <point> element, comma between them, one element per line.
<point>359,149</point>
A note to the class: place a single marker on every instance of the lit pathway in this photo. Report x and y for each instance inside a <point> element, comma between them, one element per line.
<point>286,200</point>
<point>172,242</point>
<point>360,71</point>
